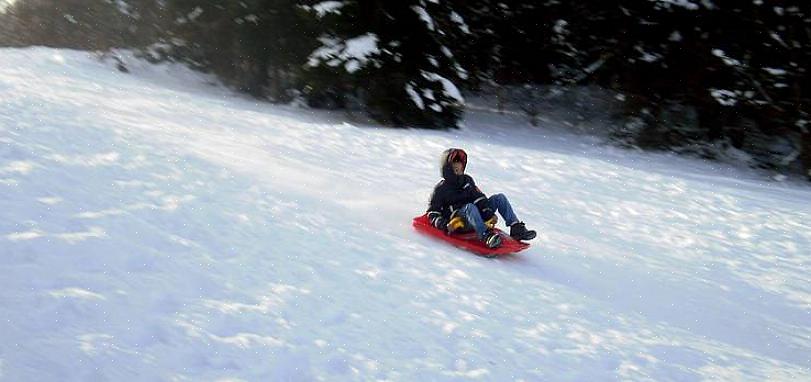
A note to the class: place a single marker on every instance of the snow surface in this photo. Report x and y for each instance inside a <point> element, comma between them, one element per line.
<point>155,227</point>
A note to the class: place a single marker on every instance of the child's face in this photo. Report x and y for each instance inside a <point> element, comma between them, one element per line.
<point>458,168</point>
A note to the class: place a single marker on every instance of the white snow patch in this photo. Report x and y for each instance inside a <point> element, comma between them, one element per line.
<point>708,4</point>
<point>353,53</point>
<point>76,237</point>
<point>457,18</point>
<point>560,27</point>
<point>102,159</point>
<point>727,60</point>
<point>124,7</point>
<point>18,167</point>
<point>724,97</point>
<point>50,200</point>
<point>687,4</point>
<point>424,16</point>
<point>100,214</point>
<point>328,7</point>
<point>173,202</point>
<point>194,14</point>
<point>78,293</point>
<point>94,344</point>
<point>776,37</point>
<point>57,58</point>
<point>447,52</point>
<point>449,89</point>
<point>647,56</point>
<point>775,71</point>
<point>415,97</point>
<point>249,340</point>
<point>27,235</point>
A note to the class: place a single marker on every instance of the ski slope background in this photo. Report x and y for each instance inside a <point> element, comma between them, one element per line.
<point>156,227</point>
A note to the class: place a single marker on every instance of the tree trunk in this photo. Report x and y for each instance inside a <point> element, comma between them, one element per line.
<point>258,78</point>
<point>712,119</point>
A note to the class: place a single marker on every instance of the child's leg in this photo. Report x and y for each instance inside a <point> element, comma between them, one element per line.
<point>502,205</point>
<point>474,218</point>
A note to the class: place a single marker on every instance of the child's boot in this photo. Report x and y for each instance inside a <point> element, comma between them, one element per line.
<point>492,239</point>
<point>519,231</point>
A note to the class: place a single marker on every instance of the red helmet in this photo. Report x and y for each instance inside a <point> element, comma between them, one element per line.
<point>457,155</point>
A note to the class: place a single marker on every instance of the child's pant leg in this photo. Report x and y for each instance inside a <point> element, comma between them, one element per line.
<point>502,205</point>
<point>474,218</point>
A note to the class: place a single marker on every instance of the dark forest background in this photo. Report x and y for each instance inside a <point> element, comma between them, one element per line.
<point>706,77</point>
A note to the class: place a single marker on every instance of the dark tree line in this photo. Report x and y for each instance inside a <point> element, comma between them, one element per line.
<point>737,69</point>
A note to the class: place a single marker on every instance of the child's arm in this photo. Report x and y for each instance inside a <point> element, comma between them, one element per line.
<point>481,201</point>
<point>435,207</point>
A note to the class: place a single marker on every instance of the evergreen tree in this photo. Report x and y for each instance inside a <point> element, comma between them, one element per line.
<point>395,56</point>
<point>205,34</point>
<point>739,67</point>
<point>255,45</point>
<point>76,24</point>
<point>278,38</point>
<point>765,49</point>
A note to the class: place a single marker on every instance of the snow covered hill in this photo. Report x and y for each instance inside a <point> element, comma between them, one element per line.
<point>156,227</point>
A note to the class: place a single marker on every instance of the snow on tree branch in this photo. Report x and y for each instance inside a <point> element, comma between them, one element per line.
<point>354,53</point>
<point>424,16</point>
<point>727,60</point>
<point>449,89</point>
<point>325,8</point>
<point>415,97</point>
<point>455,17</point>
<point>686,4</point>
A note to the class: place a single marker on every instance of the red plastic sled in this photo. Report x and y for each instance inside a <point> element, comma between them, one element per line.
<point>469,241</point>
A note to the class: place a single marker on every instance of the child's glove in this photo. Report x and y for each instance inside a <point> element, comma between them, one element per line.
<point>440,223</point>
<point>457,223</point>
<point>492,221</point>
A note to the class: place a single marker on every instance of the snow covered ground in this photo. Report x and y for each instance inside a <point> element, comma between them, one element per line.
<point>155,227</point>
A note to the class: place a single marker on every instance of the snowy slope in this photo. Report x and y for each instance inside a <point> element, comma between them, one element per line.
<point>156,227</point>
